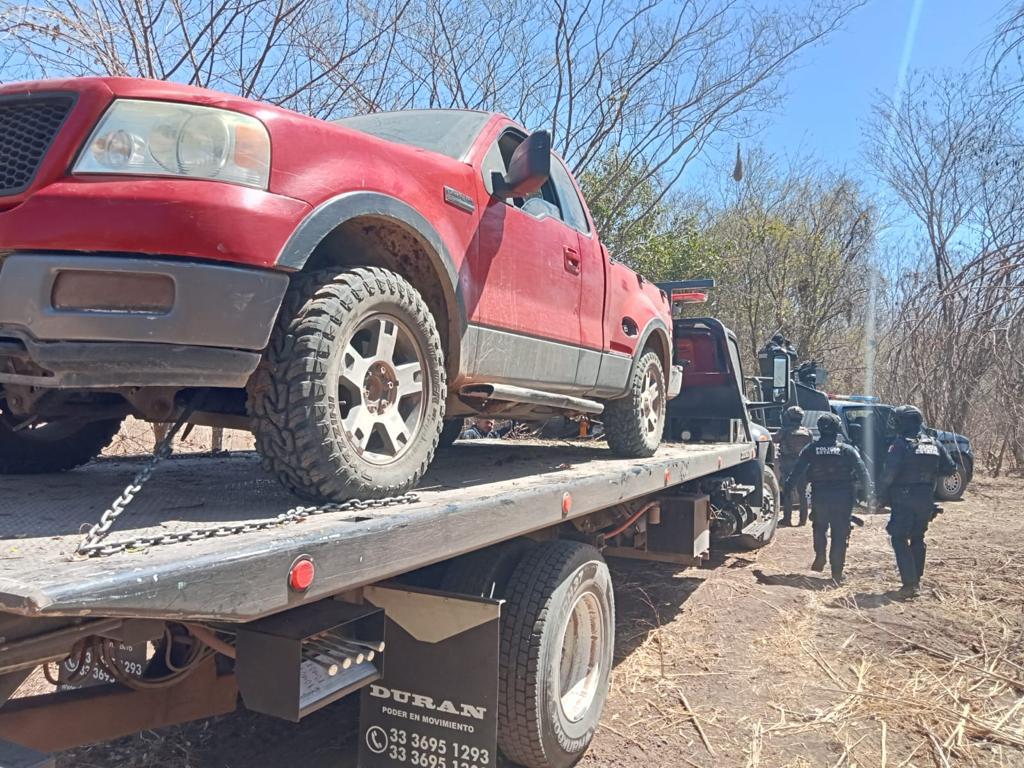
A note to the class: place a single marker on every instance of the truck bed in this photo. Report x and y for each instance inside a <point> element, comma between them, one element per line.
<point>475,494</point>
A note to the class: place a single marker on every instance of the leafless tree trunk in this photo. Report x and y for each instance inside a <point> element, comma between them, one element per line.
<point>952,154</point>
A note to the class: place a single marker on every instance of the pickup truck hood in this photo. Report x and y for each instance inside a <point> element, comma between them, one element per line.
<point>952,439</point>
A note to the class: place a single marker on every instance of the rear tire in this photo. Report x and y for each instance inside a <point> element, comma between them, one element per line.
<point>349,397</point>
<point>634,424</point>
<point>557,638</point>
<point>486,572</point>
<point>51,447</point>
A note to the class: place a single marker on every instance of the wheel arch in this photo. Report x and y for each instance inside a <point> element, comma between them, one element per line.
<point>655,337</point>
<point>374,229</point>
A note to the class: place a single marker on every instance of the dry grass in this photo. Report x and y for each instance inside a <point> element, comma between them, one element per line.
<point>778,672</point>
<point>138,438</point>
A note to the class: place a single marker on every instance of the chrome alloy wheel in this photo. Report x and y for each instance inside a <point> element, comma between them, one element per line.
<point>382,389</point>
<point>652,401</point>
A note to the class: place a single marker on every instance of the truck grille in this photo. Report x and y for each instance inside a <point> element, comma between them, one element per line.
<point>27,128</point>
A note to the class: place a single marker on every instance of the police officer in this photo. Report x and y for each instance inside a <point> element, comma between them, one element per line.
<point>791,439</point>
<point>913,464</point>
<point>830,466</point>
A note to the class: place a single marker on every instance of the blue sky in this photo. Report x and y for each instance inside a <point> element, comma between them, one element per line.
<point>830,95</point>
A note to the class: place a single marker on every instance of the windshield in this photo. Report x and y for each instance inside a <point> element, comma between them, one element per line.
<point>447,132</point>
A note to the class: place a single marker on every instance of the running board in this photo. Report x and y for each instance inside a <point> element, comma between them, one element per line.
<point>508,394</point>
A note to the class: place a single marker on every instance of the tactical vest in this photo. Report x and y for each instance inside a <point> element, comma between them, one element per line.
<point>921,460</point>
<point>792,441</point>
<point>831,466</point>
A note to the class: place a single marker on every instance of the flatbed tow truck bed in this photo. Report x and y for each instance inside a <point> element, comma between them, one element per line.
<point>186,630</point>
<point>476,494</point>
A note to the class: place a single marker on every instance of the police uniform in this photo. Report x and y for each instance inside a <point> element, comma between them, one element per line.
<point>790,440</point>
<point>831,466</point>
<point>914,462</point>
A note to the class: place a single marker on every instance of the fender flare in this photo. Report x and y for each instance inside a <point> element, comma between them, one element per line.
<point>332,213</point>
<point>656,326</point>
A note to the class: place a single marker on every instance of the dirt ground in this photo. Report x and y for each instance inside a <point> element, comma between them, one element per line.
<point>755,661</point>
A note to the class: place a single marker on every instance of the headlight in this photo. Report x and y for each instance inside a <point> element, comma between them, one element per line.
<point>158,138</point>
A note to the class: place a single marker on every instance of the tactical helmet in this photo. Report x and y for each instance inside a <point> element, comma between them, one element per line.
<point>828,425</point>
<point>794,416</point>
<point>910,419</point>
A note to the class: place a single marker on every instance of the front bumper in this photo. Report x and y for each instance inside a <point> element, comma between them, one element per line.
<point>211,334</point>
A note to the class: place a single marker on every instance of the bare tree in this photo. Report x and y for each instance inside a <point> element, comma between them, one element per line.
<point>256,48</point>
<point>951,153</point>
<point>649,84</point>
<point>796,244</point>
<point>654,81</point>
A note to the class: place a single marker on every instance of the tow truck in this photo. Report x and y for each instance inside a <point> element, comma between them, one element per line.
<point>474,617</point>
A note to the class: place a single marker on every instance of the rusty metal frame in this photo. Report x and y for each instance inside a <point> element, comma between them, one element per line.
<point>57,721</point>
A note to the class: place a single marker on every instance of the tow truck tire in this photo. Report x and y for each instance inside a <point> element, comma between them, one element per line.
<point>349,398</point>
<point>52,447</point>
<point>557,638</point>
<point>633,424</point>
<point>450,432</point>
<point>952,488</point>
<point>770,496</point>
<point>486,572</point>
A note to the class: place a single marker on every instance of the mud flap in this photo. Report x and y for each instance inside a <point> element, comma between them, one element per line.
<point>436,704</point>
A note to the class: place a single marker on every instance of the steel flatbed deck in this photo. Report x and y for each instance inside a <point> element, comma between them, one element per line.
<point>475,495</point>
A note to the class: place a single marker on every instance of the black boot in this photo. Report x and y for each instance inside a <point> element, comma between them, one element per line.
<point>909,592</point>
<point>837,576</point>
<point>786,523</point>
<point>819,563</point>
<point>803,520</point>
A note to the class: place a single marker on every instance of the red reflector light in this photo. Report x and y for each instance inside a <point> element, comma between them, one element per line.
<point>696,297</point>
<point>301,574</point>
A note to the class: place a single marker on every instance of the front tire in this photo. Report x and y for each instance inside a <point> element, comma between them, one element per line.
<point>40,448</point>
<point>557,638</point>
<point>634,424</point>
<point>952,487</point>
<point>349,397</point>
<point>771,504</point>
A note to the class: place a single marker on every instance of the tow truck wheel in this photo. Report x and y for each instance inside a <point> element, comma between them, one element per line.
<point>634,423</point>
<point>557,638</point>
<point>771,505</point>
<point>349,397</point>
<point>38,447</point>
<point>486,572</point>
<point>952,488</point>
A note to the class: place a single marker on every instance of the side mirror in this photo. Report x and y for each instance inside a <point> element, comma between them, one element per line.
<point>780,378</point>
<point>529,168</point>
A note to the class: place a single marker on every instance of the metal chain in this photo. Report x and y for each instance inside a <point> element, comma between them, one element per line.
<point>93,545</point>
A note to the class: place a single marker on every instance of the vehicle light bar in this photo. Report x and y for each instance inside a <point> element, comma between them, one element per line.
<point>690,297</point>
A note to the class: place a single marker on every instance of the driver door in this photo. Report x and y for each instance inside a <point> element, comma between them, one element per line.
<point>524,283</point>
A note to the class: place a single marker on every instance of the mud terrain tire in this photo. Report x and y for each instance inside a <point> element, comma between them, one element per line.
<point>349,398</point>
<point>633,424</point>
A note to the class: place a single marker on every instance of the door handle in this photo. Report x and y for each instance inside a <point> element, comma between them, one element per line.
<point>572,260</point>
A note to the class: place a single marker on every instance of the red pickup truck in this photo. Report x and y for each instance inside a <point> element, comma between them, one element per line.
<point>348,290</point>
